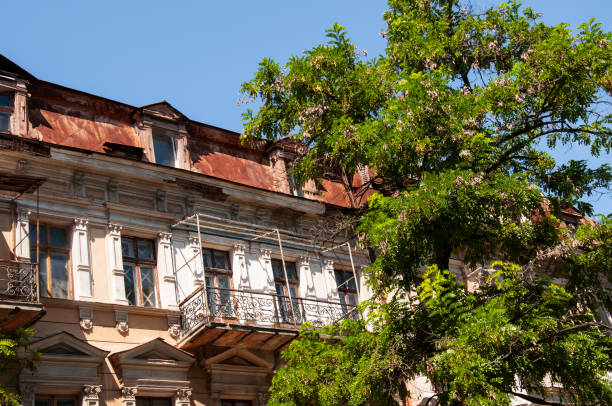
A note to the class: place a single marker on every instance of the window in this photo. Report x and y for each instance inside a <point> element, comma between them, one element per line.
<point>6,109</point>
<point>218,282</point>
<point>152,401</point>
<point>53,268</point>
<point>280,284</point>
<point>139,269</point>
<point>347,289</point>
<point>55,401</point>
<point>226,402</point>
<point>164,148</point>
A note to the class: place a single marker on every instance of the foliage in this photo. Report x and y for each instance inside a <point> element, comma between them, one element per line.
<point>452,121</point>
<point>14,356</point>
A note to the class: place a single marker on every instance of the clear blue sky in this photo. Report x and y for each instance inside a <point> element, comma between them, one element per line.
<point>195,54</point>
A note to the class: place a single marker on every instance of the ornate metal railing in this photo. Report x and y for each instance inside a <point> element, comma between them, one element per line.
<point>259,309</point>
<point>18,281</point>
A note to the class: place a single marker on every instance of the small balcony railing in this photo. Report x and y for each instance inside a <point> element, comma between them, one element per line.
<point>259,309</point>
<point>18,281</point>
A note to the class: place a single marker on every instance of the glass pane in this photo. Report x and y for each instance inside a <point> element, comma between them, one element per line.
<point>145,249</point>
<point>43,234</point>
<point>127,247</point>
<point>57,236</point>
<point>277,269</point>
<point>279,288</point>
<point>221,260</point>
<point>147,279</point>
<point>5,100</point>
<point>294,291</point>
<point>65,403</point>
<point>129,282</point>
<point>224,281</point>
<point>207,258</point>
<point>210,281</point>
<point>339,278</point>
<point>163,151</point>
<point>351,282</point>
<point>5,122</point>
<point>42,274</point>
<point>59,274</point>
<point>291,271</point>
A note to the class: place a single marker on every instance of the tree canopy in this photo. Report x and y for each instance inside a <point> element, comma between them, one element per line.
<point>452,121</point>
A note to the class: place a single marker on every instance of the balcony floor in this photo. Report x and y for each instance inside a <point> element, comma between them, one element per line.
<point>14,315</point>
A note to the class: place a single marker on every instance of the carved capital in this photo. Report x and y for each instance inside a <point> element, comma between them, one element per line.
<point>164,238</point>
<point>122,322</point>
<point>114,229</point>
<point>129,392</point>
<point>27,393</point>
<point>81,224</point>
<point>23,215</point>
<point>263,398</point>
<point>194,241</point>
<point>92,392</point>
<point>328,264</point>
<point>265,253</point>
<point>305,260</point>
<point>183,394</point>
<point>239,249</point>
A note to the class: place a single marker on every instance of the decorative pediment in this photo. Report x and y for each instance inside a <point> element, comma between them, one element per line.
<point>66,345</point>
<point>239,356</point>
<point>65,362</point>
<point>165,110</point>
<point>155,364</point>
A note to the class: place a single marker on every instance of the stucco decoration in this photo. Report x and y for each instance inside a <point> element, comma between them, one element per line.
<point>183,397</point>
<point>129,395</point>
<point>91,395</point>
<point>26,391</point>
<point>121,318</point>
<point>239,253</point>
<point>86,318</point>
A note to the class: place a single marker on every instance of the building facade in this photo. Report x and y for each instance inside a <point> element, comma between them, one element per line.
<point>159,259</point>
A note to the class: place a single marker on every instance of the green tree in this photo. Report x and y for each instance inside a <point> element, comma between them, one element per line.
<point>452,119</point>
<point>14,356</point>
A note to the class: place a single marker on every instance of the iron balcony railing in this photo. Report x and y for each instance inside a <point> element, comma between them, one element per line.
<point>258,309</point>
<point>18,281</point>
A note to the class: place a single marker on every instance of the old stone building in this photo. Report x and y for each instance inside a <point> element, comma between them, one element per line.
<point>160,261</point>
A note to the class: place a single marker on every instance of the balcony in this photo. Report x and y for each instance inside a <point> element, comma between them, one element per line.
<point>226,317</point>
<point>19,304</point>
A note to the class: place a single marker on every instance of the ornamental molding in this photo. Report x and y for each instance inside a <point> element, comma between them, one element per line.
<point>81,224</point>
<point>92,392</point>
<point>114,229</point>
<point>129,392</point>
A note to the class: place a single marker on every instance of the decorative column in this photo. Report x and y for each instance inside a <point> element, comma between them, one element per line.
<point>26,392</point>
<point>81,261</point>
<point>165,271</point>
<point>183,397</point>
<point>22,235</point>
<point>330,278</point>
<point>241,266</point>
<point>265,255</point>
<point>129,395</point>
<point>197,263</point>
<point>91,395</point>
<point>113,238</point>
<point>306,275</point>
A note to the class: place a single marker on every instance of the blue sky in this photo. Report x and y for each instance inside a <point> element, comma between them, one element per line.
<point>195,54</point>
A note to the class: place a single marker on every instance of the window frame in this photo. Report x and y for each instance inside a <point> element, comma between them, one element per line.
<point>151,399</point>
<point>171,138</point>
<point>292,282</point>
<point>55,398</point>
<point>8,110</point>
<point>138,262</point>
<point>48,249</point>
<point>226,295</point>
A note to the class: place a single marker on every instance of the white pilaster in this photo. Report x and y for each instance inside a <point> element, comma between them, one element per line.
<point>330,279</point>
<point>26,392</point>
<point>91,395</point>
<point>22,238</point>
<point>81,262</point>
<point>265,257</point>
<point>115,255</point>
<point>240,266</point>
<point>165,271</point>
<point>197,261</point>
<point>308,290</point>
